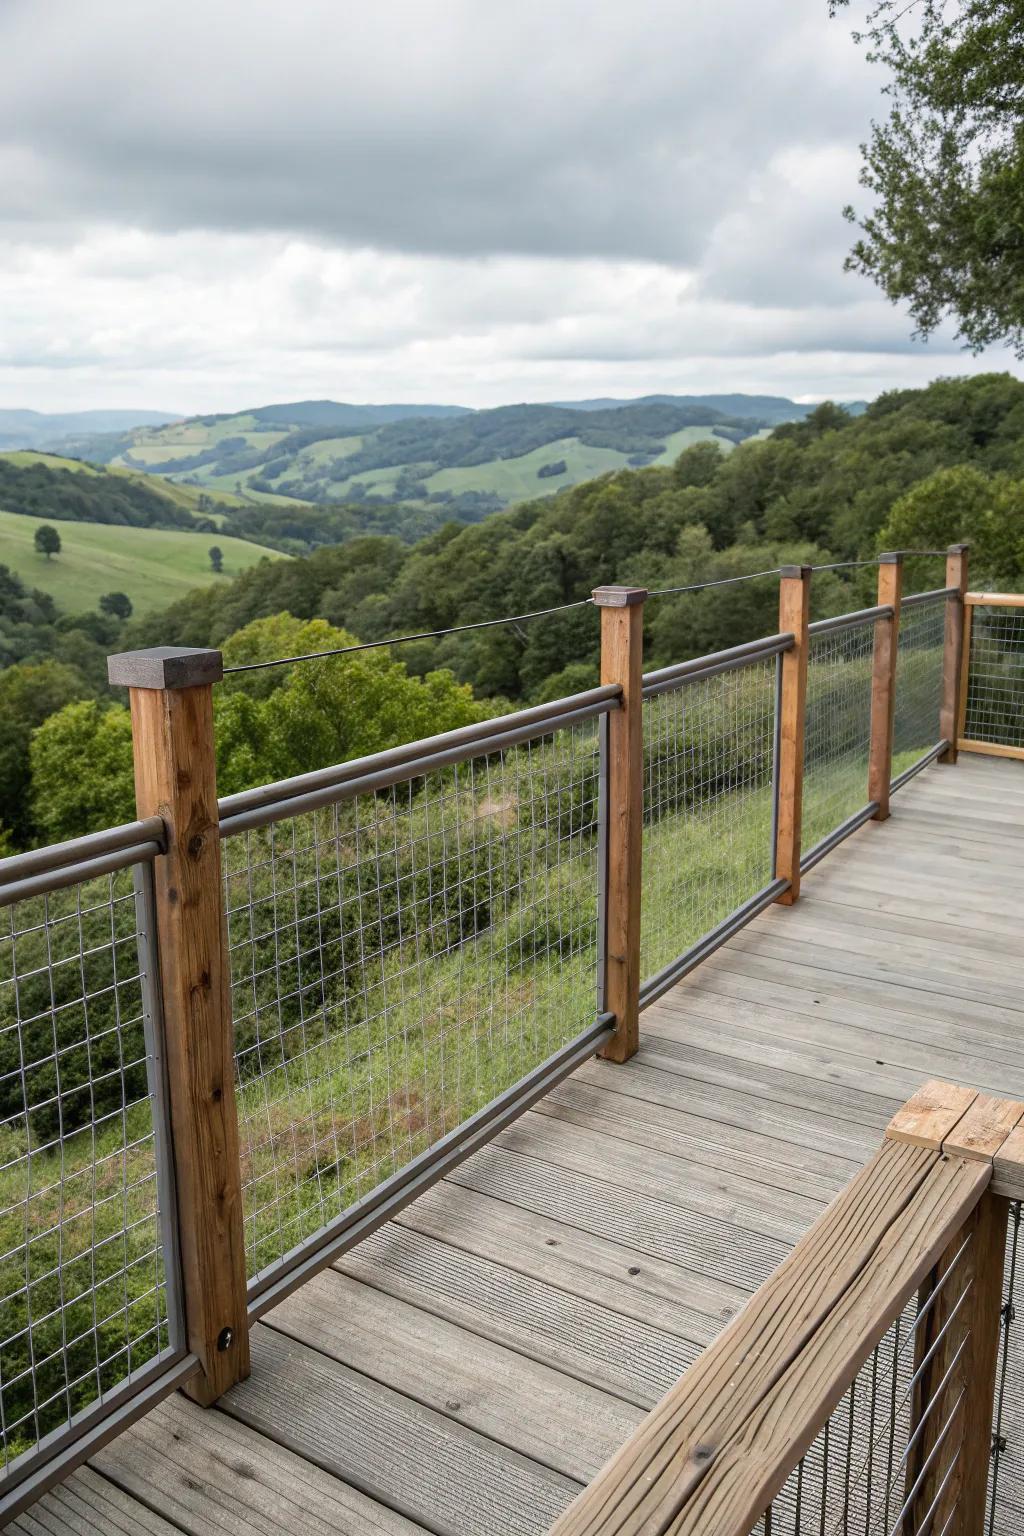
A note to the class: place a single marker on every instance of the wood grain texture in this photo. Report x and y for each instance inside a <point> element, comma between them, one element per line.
<point>622,644</point>
<point>1008,1166</point>
<point>953,652</point>
<point>211,1475</point>
<point>175,778</point>
<point>422,1464</point>
<point>984,1127</point>
<point>991,749</point>
<point>88,1504</point>
<point>995,599</point>
<point>715,1451</point>
<point>883,685</point>
<point>931,1114</point>
<point>794,617</point>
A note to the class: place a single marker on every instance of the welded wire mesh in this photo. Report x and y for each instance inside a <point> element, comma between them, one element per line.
<point>398,959</point>
<point>918,699</point>
<point>1006,1481</point>
<point>837,742</point>
<point>83,1291</point>
<point>995,679</point>
<point>885,1463</point>
<point>707,845</point>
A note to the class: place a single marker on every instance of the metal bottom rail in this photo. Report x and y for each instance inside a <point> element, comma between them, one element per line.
<point>818,852</point>
<point>658,984</point>
<point>915,768</point>
<point>309,1257</point>
<point>59,1453</point>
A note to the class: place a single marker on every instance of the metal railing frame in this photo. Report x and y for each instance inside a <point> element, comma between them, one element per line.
<point>144,842</point>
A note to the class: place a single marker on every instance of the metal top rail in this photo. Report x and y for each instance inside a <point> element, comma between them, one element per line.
<point>720,661</point>
<point>929,597</point>
<point>851,620</point>
<point>310,792</point>
<point>81,858</point>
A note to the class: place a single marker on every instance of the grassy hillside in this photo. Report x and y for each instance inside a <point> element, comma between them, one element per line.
<point>153,566</point>
<point>472,462</point>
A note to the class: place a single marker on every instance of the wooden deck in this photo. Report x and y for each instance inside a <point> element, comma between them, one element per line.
<point>475,1362</point>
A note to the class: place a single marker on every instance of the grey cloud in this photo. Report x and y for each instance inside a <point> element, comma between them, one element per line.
<point>450,126</point>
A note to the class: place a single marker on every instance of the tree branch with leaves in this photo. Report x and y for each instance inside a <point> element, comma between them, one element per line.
<point>945,170</point>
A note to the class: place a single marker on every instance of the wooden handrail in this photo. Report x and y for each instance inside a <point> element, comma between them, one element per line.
<point>994,599</point>
<point>718,1448</point>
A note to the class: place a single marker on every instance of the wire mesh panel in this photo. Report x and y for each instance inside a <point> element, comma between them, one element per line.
<point>893,1435</point>
<point>86,1296</point>
<point>918,700</point>
<point>1006,1482</point>
<point>995,678</point>
<point>837,742</point>
<point>708,806</point>
<point>398,959</point>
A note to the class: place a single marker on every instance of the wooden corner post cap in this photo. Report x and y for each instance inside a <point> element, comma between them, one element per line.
<point>618,597</point>
<point>165,666</point>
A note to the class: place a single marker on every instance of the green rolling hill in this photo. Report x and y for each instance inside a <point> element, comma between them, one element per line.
<point>471,462</point>
<point>153,566</point>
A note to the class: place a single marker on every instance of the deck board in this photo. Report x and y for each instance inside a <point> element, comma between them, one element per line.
<point>467,1367</point>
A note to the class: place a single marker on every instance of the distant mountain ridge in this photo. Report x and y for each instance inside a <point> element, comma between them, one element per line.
<point>33,429</point>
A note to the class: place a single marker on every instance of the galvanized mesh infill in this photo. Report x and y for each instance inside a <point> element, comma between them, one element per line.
<point>85,1298</point>
<point>918,700</point>
<point>398,960</point>
<point>708,806</point>
<point>1006,1481</point>
<point>995,679</point>
<point>837,742</point>
<point>885,1463</point>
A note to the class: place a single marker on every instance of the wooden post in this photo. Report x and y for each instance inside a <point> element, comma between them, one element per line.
<point>959,1340</point>
<point>622,621</point>
<point>883,683</point>
<point>953,654</point>
<point>794,617</point>
<point>171,697</point>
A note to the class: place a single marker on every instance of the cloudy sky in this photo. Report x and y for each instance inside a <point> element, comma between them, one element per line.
<point>218,203</point>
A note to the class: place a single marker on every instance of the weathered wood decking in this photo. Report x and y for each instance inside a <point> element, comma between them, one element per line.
<point>476,1361</point>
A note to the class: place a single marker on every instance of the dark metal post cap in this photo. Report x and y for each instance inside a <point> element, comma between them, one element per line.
<point>618,597</point>
<point>165,666</point>
<point>796,571</point>
<point>892,557</point>
<point>958,549</point>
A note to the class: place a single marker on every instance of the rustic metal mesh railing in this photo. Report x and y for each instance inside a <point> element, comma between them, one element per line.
<point>837,738</point>
<point>1006,1480</point>
<point>708,846</point>
<point>401,956</point>
<point>919,674</point>
<point>994,708</point>
<point>89,1299</point>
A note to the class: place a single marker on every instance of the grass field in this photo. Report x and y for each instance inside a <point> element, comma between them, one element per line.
<point>152,565</point>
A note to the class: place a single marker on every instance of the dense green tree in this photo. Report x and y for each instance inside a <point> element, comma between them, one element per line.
<point>117,604</point>
<point>47,540</point>
<point>81,759</point>
<point>216,557</point>
<point>945,169</point>
<point>28,695</point>
<point>965,503</point>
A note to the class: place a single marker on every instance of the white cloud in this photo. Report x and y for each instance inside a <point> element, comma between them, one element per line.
<point>432,199</point>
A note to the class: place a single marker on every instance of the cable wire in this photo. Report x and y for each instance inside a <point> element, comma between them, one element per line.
<point>428,634</point>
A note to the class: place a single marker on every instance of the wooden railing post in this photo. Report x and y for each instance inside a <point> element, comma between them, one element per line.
<point>171,696</point>
<point>954,656</point>
<point>794,617</point>
<point>622,621</point>
<point>883,683</point>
